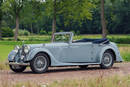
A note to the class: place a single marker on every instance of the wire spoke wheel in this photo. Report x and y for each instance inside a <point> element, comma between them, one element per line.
<point>107,60</point>
<point>40,63</point>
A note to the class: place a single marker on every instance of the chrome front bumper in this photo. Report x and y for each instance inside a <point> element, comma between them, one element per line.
<point>19,64</point>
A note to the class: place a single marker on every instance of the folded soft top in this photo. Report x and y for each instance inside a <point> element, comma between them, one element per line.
<point>96,41</point>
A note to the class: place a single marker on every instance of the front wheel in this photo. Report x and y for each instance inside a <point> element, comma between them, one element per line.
<point>17,69</point>
<point>107,60</point>
<point>40,63</point>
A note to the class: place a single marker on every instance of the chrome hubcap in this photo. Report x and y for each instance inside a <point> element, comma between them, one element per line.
<point>107,60</point>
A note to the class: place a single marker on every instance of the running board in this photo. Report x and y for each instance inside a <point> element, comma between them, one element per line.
<point>74,64</point>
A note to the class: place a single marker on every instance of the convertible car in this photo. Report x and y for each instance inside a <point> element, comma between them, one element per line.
<point>64,51</point>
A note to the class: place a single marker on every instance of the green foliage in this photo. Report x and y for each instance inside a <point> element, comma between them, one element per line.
<point>78,32</point>
<point>126,56</point>
<point>118,19</point>
<point>49,33</point>
<point>32,13</point>
<point>121,40</point>
<point>24,32</point>
<point>72,15</point>
<point>125,52</point>
<point>76,10</point>
<point>7,32</point>
<point>70,10</point>
<point>1,13</point>
<point>13,7</point>
<point>43,32</point>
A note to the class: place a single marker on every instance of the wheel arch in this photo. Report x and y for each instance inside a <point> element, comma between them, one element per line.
<point>108,49</point>
<point>112,51</point>
<point>36,51</point>
<point>43,52</point>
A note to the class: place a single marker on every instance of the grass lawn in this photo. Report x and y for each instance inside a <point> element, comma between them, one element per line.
<point>112,81</point>
<point>4,51</point>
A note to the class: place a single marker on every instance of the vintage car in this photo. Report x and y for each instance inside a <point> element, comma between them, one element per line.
<point>63,51</point>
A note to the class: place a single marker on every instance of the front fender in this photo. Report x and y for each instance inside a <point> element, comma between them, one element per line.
<point>33,52</point>
<point>11,55</point>
<point>115,50</point>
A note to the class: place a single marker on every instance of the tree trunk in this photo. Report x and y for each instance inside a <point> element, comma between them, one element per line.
<point>104,31</point>
<point>31,29</point>
<point>17,28</point>
<point>54,21</point>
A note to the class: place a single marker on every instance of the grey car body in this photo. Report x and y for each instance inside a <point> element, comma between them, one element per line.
<point>66,53</point>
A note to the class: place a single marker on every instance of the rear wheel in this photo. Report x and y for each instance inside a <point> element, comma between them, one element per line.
<point>40,63</point>
<point>107,60</point>
<point>17,69</point>
<point>83,66</point>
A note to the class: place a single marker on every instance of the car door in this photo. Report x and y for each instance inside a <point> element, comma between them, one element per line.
<point>79,52</point>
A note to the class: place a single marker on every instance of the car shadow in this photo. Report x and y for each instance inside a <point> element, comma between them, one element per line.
<point>78,69</point>
<point>66,69</point>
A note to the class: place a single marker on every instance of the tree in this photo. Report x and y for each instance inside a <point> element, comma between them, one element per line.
<point>33,13</point>
<point>14,7</point>
<point>71,15</point>
<point>1,14</point>
<point>54,20</point>
<point>103,22</point>
<point>51,11</point>
<point>120,18</point>
<point>71,10</point>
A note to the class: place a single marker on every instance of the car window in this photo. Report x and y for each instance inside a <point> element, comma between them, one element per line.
<point>62,38</point>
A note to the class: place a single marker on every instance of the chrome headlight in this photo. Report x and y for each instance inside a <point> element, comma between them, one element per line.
<point>26,48</point>
<point>16,48</point>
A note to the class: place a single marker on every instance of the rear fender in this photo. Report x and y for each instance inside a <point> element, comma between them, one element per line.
<point>116,51</point>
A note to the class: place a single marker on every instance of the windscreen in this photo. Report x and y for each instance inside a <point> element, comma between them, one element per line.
<point>62,38</point>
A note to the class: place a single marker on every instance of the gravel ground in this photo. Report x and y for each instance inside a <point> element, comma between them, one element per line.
<point>61,73</point>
